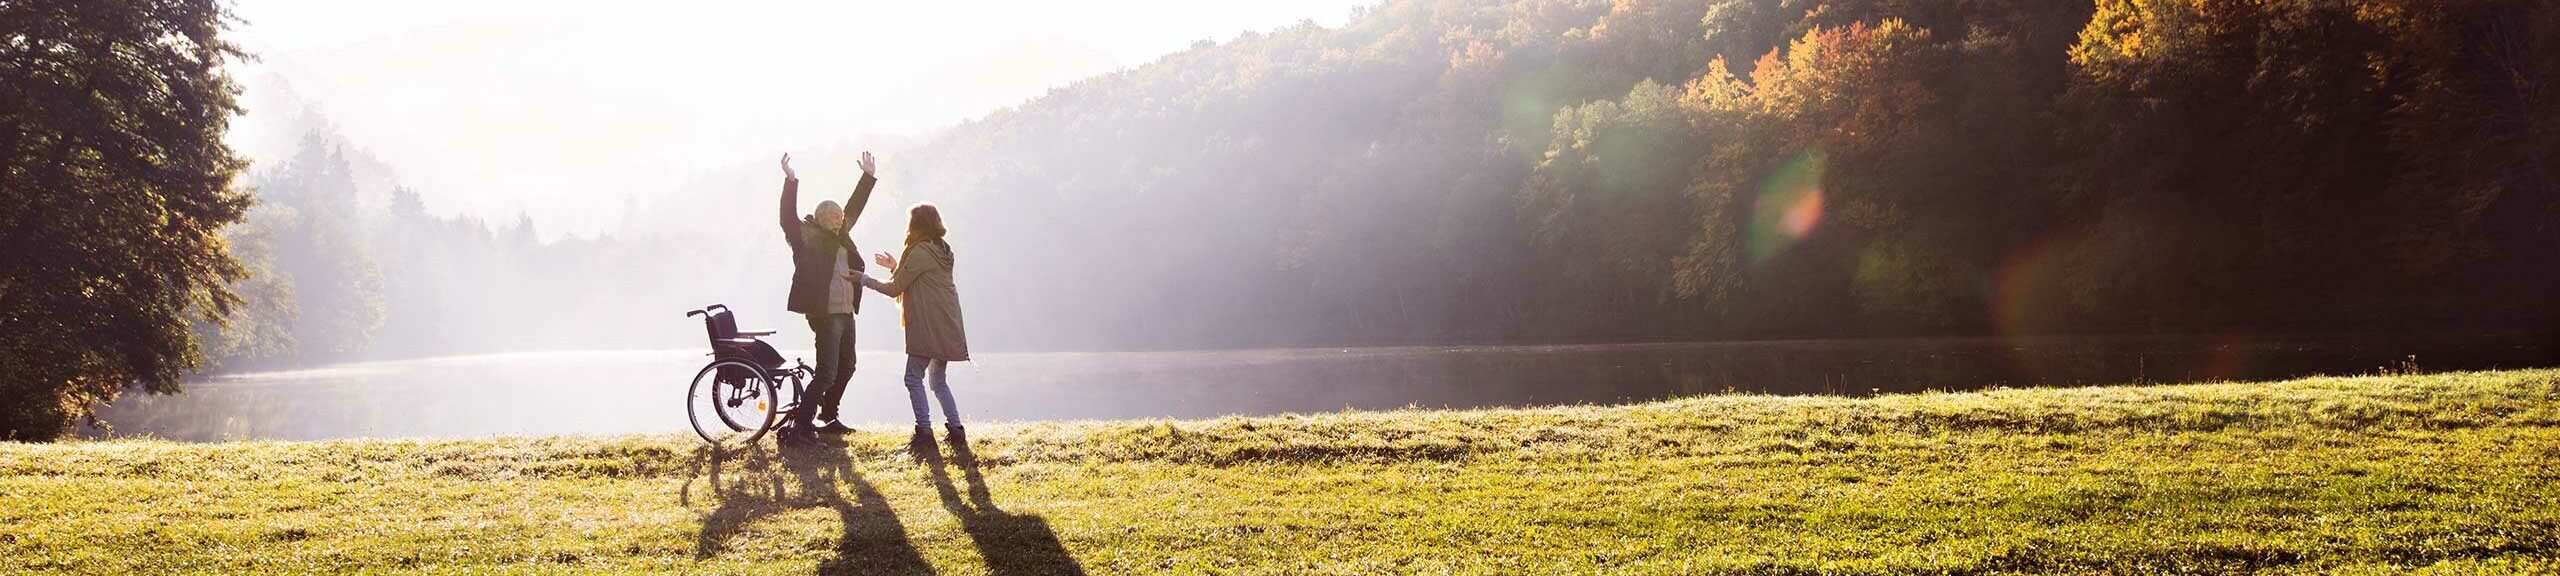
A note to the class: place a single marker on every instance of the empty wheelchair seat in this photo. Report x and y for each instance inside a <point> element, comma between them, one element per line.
<point>727,342</point>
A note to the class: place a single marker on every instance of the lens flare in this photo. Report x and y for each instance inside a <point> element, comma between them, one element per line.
<point>2229,360</point>
<point>2031,287</point>
<point>1788,206</point>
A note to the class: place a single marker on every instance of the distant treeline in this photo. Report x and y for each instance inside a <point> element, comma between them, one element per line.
<point>345,264</point>
<point>1562,170</point>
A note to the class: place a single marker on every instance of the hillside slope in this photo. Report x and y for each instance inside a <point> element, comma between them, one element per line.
<point>1581,170</point>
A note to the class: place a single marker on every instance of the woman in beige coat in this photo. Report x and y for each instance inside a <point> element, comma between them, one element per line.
<point>930,309</point>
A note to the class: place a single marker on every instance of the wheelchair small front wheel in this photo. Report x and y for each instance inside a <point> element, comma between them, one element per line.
<point>731,402</point>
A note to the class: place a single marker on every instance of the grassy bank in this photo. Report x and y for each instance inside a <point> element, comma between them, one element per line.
<point>2456,473</point>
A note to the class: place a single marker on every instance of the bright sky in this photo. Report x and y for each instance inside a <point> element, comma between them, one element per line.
<point>561,108</point>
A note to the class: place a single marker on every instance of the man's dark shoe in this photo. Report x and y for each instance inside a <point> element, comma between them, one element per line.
<point>833,427</point>
<point>955,433</point>
<point>798,418</point>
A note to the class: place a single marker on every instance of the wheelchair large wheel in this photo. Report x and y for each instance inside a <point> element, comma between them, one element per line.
<point>729,411</point>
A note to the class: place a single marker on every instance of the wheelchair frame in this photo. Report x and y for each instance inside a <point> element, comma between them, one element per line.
<point>743,368</point>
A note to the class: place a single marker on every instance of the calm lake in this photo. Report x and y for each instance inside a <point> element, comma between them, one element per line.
<point>615,392</point>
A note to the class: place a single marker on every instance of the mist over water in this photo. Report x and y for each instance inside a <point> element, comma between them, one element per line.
<point>643,391</point>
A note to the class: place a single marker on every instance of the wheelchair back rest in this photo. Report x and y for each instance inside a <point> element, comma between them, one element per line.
<point>722,328</point>
<point>720,325</point>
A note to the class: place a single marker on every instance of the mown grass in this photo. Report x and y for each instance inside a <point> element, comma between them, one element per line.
<point>2452,473</point>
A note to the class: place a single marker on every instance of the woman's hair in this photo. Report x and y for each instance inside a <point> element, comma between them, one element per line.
<point>924,222</point>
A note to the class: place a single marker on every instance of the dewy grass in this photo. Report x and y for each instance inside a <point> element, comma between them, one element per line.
<point>2449,473</point>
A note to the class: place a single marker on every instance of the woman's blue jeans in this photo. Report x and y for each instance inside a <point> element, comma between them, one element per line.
<point>918,368</point>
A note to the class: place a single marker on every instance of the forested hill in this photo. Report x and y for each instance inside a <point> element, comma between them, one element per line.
<point>1560,170</point>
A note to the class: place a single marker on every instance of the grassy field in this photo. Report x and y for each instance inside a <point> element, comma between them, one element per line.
<point>2454,473</point>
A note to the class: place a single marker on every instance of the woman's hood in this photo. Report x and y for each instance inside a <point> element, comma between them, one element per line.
<point>936,249</point>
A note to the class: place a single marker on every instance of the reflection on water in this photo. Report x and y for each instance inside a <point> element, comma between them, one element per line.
<point>643,391</point>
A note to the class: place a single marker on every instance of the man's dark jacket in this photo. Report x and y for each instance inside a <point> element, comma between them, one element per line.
<point>813,257</point>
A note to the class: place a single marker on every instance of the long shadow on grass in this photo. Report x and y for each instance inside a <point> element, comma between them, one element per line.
<point>874,541</point>
<point>748,488</point>
<point>1012,544</point>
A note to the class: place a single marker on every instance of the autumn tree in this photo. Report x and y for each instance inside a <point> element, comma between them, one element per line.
<point>115,186</point>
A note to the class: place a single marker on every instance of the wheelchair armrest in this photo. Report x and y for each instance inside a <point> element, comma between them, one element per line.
<point>755,333</point>
<point>738,340</point>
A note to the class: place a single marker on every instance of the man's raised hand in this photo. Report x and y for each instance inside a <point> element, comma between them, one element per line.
<point>787,174</point>
<point>868,165</point>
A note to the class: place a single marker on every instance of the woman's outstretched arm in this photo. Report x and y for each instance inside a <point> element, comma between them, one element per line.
<point>900,277</point>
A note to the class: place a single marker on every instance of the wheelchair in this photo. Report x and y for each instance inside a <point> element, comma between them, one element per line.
<point>740,395</point>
